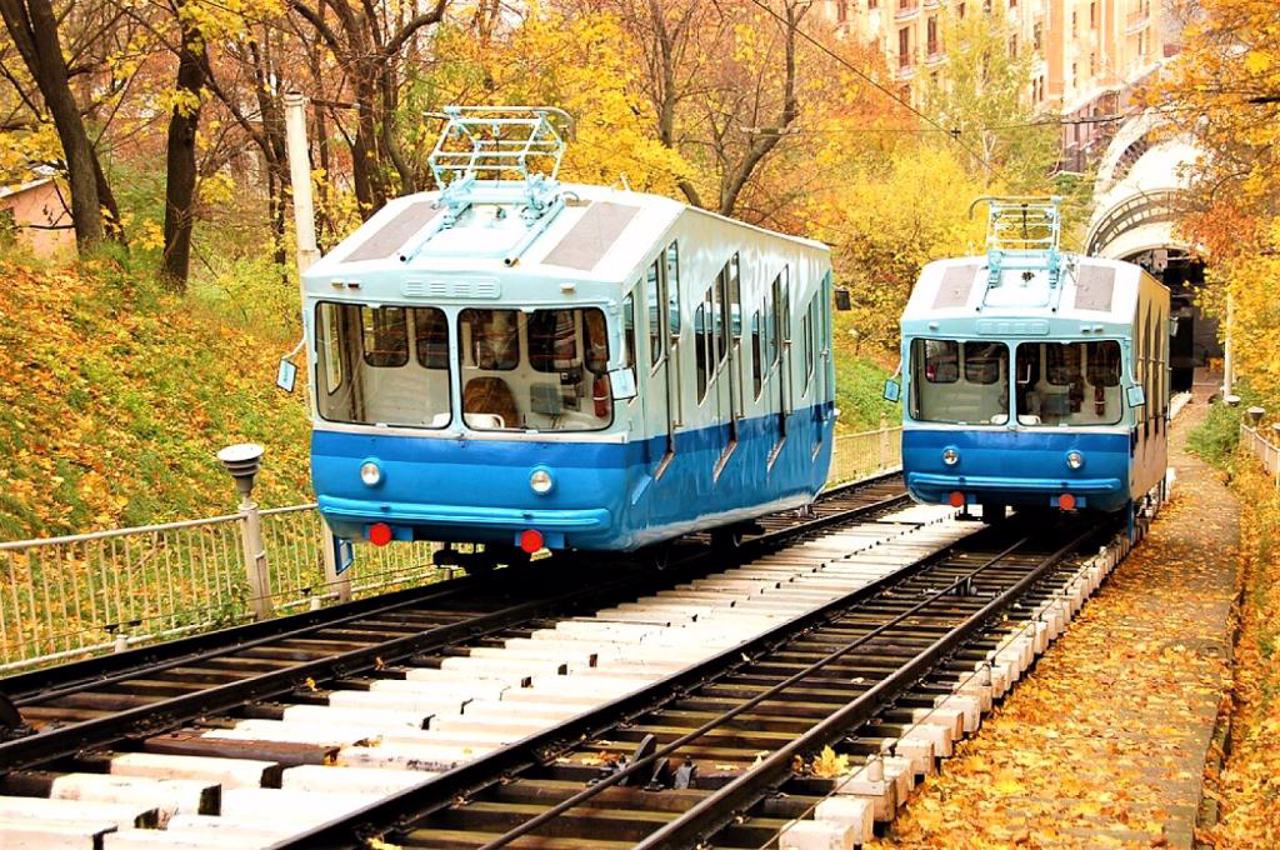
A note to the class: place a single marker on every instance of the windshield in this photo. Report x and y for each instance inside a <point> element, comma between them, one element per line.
<point>959,382</point>
<point>1074,383</point>
<point>546,370</point>
<point>382,365</point>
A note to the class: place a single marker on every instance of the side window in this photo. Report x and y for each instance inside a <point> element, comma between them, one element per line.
<point>941,361</point>
<point>629,330</point>
<point>431,336</point>
<point>757,355</point>
<point>656,347</point>
<point>702,344</point>
<point>673,291</point>
<point>734,300</point>
<point>717,314</point>
<point>386,336</point>
<point>331,340</point>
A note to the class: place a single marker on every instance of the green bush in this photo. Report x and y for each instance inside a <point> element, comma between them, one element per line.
<point>1216,437</point>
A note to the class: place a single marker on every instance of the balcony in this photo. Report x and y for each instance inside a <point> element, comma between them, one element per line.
<point>907,9</point>
<point>1137,21</point>
<point>905,71</point>
<point>935,57</point>
<point>932,4</point>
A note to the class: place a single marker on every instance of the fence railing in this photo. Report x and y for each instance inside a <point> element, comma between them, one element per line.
<point>1265,450</point>
<point>66,597</point>
<point>865,453</point>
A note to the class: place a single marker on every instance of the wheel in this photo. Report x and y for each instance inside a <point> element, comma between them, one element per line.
<point>726,539</point>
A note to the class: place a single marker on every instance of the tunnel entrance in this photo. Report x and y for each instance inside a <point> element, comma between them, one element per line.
<point>1195,343</point>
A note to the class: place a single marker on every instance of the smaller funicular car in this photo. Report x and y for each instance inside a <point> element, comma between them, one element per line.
<point>1033,377</point>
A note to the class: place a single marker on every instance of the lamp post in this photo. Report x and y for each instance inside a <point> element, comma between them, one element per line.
<point>242,461</point>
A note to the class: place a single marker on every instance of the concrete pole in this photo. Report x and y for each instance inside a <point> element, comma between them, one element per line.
<point>304,216</point>
<point>1228,354</point>
<point>255,559</point>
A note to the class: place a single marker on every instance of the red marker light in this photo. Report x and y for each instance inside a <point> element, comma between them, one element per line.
<point>957,499</point>
<point>379,534</point>
<point>1067,502</point>
<point>530,541</point>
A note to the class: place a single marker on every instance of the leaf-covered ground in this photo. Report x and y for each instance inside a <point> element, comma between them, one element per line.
<point>1105,744</point>
<point>1247,790</point>
<point>114,397</point>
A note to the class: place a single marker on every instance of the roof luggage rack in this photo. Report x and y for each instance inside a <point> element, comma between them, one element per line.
<point>1022,233</point>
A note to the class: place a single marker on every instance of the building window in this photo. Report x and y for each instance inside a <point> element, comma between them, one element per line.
<point>1075,75</point>
<point>1013,47</point>
<point>904,48</point>
<point>1093,64</point>
<point>842,11</point>
<point>960,11</point>
<point>1074,18</point>
<point>932,30</point>
<point>1093,16</point>
<point>1037,34</point>
<point>873,4</point>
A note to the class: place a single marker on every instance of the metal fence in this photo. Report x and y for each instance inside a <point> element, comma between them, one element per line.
<point>66,597</point>
<point>1265,450</point>
<point>858,455</point>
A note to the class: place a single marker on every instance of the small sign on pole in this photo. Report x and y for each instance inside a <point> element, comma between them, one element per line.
<point>343,555</point>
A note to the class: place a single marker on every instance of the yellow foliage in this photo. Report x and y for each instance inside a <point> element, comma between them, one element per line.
<point>828,765</point>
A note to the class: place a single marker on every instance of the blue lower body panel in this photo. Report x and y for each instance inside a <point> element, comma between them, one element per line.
<point>1018,468</point>
<point>603,496</point>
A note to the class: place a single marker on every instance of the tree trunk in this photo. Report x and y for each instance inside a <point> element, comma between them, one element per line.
<point>34,29</point>
<point>180,180</point>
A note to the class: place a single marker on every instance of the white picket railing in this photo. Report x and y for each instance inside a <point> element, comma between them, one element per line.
<point>66,597</point>
<point>1262,448</point>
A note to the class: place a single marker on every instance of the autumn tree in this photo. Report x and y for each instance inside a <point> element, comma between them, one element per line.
<point>367,41</point>
<point>33,27</point>
<point>981,96</point>
<point>1225,90</point>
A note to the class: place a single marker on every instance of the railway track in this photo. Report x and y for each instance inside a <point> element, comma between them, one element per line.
<point>722,753</point>
<point>450,717</point>
<point>63,716</point>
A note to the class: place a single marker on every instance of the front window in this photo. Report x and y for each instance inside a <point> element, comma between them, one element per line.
<point>965,383</point>
<point>546,370</point>
<point>382,365</point>
<point>1076,383</point>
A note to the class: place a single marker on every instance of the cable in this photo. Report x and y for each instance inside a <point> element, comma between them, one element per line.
<point>953,133</point>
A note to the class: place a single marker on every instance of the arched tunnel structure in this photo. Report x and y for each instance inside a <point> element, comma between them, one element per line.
<point>1140,185</point>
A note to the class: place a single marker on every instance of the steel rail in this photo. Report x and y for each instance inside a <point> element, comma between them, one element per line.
<point>464,781</point>
<point>718,809</point>
<point>716,722</point>
<point>46,746</point>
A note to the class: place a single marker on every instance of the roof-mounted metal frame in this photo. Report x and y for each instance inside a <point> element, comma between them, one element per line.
<point>500,154</point>
<point>1022,233</point>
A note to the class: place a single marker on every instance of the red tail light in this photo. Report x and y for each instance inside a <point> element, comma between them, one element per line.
<point>1067,502</point>
<point>380,534</point>
<point>530,540</point>
<point>957,499</point>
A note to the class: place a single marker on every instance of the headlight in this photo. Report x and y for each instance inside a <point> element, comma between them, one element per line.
<point>541,482</point>
<point>370,474</point>
<point>950,457</point>
<point>1075,460</point>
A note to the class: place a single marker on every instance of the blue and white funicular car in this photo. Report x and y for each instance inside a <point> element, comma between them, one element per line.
<point>525,363</point>
<point>1034,377</point>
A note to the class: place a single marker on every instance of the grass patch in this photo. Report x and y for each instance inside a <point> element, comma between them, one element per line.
<point>1215,439</point>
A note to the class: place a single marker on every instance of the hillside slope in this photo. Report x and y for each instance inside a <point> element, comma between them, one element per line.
<point>114,397</point>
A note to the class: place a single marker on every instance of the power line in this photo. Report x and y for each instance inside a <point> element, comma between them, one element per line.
<point>952,132</point>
